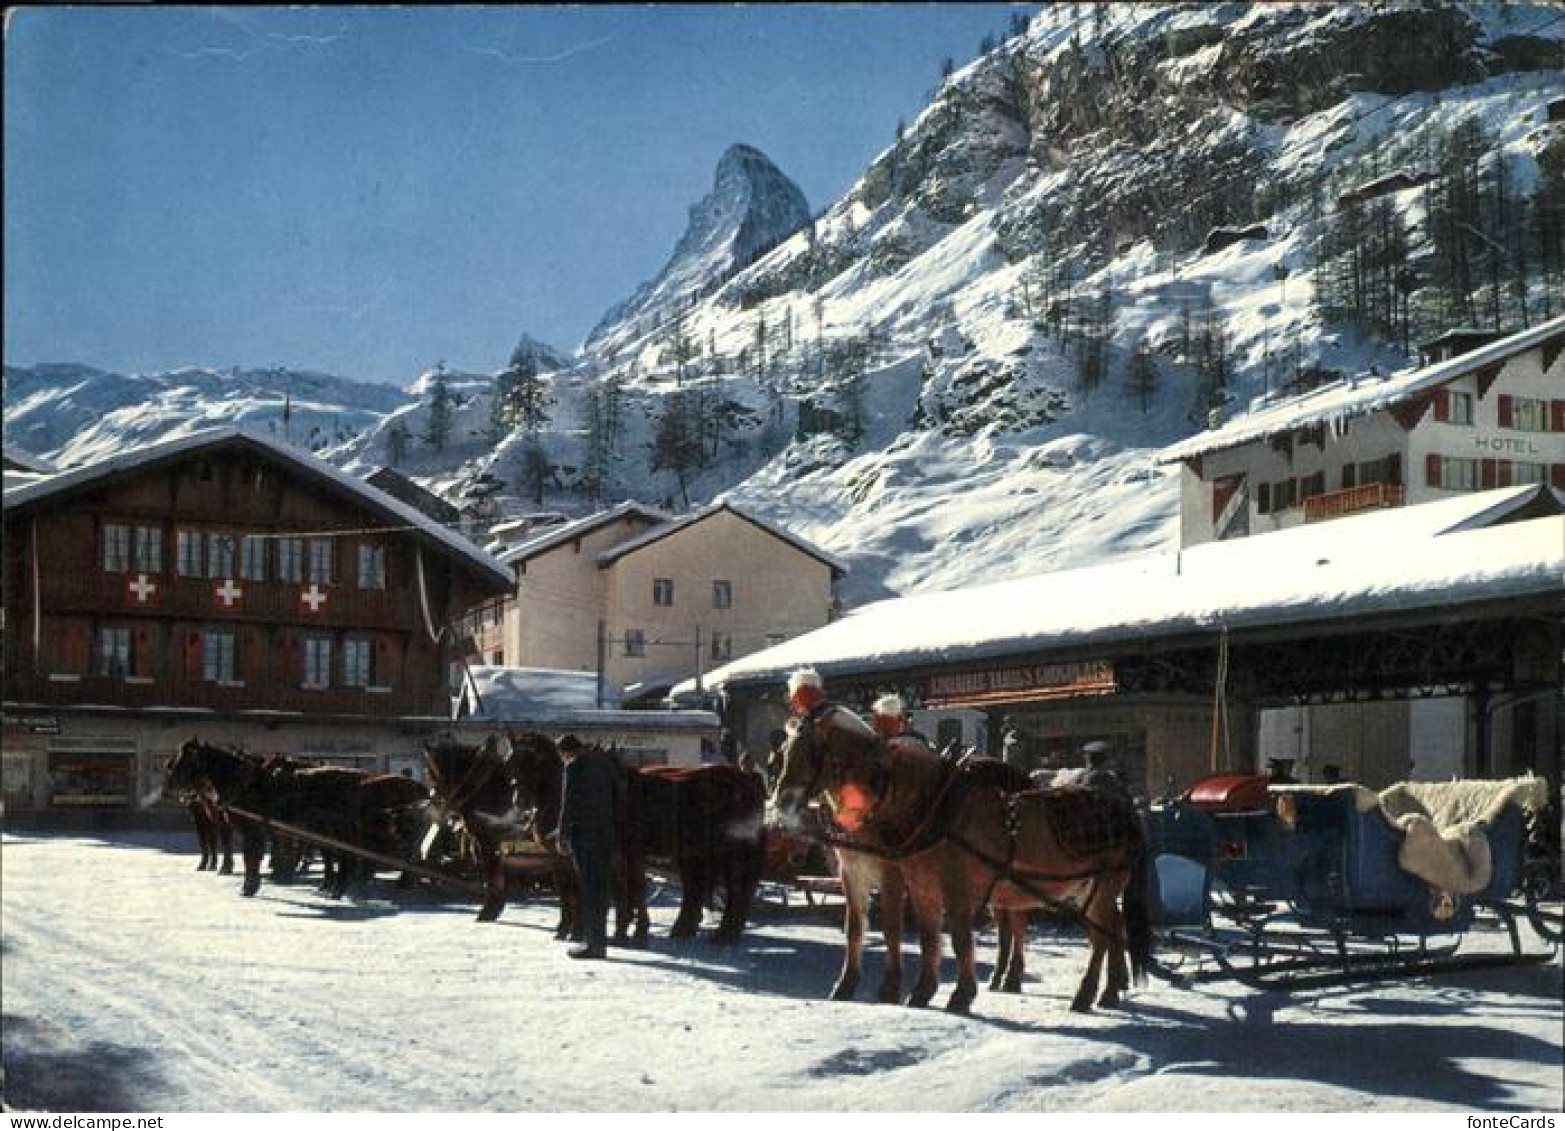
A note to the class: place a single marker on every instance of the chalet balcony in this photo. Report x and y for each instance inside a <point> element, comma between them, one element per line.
<point>99,691</point>
<point>269,602</point>
<point>1353,500</point>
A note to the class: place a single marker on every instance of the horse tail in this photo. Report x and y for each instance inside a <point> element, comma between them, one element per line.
<point>1138,918</point>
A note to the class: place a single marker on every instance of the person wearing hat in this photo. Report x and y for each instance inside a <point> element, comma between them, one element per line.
<point>806,692</point>
<point>1100,773</point>
<point>890,716</point>
<point>592,813</point>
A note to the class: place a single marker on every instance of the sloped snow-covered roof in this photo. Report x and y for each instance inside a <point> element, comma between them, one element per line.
<point>123,463</point>
<point>549,697</point>
<point>630,546</point>
<point>17,459</point>
<point>559,535</point>
<point>1475,547</point>
<point>1344,399</point>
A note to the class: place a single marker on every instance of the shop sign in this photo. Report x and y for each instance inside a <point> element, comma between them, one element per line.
<point>1020,684</point>
<point>35,724</point>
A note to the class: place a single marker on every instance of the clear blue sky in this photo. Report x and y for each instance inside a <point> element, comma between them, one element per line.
<point>368,192</point>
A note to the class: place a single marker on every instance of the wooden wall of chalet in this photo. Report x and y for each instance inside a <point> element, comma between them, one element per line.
<point>228,491</point>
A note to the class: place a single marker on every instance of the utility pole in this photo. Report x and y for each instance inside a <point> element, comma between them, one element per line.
<point>603,648</point>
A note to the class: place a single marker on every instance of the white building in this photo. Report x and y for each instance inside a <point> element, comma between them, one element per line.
<point>1493,416</point>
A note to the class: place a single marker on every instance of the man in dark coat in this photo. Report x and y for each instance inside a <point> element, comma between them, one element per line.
<point>592,812</point>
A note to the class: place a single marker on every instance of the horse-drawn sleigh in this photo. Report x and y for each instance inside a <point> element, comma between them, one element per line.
<point>1288,887</point>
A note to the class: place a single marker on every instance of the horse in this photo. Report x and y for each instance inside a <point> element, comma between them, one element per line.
<point>476,789</point>
<point>377,812</point>
<point>953,844</point>
<point>214,833</point>
<point>704,820</point>
<point>708,821</point>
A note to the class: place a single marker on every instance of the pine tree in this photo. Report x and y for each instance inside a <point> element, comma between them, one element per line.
<point>521,399</point>
<point>676,441</point>
<point>1142,377</point>
<point>398,440</point>
<point>682,348</point>
<point>442,403</point>
<point>536,469</point>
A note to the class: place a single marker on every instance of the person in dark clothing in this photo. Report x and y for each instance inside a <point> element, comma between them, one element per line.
<point>592,811</point>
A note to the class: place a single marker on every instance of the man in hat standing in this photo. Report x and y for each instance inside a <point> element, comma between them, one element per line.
<point>806,692</point>
<point>592,813</point>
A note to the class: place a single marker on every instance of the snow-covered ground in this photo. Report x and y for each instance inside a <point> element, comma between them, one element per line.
<point>133,982</point>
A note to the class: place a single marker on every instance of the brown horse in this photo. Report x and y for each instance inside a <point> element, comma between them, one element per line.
<point>475,791</point>
<point>955,843</point>
<point>382,813</point>
<point>704,821</point>
<point>214,832</point>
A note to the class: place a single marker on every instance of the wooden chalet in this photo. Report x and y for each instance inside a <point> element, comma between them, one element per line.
<point>226,584</point>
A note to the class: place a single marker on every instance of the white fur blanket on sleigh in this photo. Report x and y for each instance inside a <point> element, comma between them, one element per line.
<point>1443,825</point>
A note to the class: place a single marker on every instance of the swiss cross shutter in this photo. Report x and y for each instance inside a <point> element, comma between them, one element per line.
<point>1487,473</point>
<point>1557,416</point>
<point>1506,402</point>
<point>76,648</point>
<point>193,665</point>
<point>1432,470</point>
<point>250,664</point>
<point>1442,404</point>
<point>143,660</point>
<point>285,653</point>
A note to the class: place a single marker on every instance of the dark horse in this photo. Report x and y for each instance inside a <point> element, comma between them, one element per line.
<point>953,842</point>
<point>704,821</point>
<point>476,791</point>
<point>379,812</point>
<point>214,832</point>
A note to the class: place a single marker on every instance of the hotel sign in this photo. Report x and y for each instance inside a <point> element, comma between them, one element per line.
<point>1022,684</point>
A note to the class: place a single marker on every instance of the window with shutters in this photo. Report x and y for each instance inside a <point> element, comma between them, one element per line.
<point>252,554</point>
<point>217,655</point>
<point>1529,414</point>
<point>147,549</point>
<point>116,547</point>
<point>320,560</point>
<point>290,559</point>
<point>663,591</point>
<point>372,567</point>
<point>190,544</point>
<point>113,653</point>
<point>358,660</point>
<point>1454,473</point>
<point>220,555</point>
<point>317,661</point>
<point>1459,408</point>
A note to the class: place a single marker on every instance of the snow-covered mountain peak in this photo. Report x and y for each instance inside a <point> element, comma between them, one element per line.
<point>752,208</point>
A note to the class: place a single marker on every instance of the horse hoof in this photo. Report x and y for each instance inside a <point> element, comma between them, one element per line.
<point>890,994</point>
<point>249,890</point>
<point>1109,1001</point>
<point>844,990</point>
<point>1081,1007</point>
<point>961,1001</point>
<point>921,997</point>
<point>488,915</point>
<point>227,870</point>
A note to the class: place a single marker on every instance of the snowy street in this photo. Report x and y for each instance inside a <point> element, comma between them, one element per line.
<point>133,982</point>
